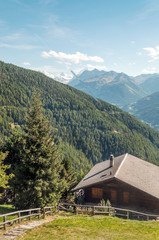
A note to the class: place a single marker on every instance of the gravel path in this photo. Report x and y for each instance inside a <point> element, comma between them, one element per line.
<point>19,230</point>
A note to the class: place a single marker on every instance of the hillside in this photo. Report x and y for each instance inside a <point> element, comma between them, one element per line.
<point>115,88</point>
<point>150,83</point>
<point>140,79</point>
<point>89,130</point>
<point>146,109</point>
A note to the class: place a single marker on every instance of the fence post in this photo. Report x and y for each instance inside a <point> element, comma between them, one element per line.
<point>114,211</point>
<point>75,209</point>
<point>43,212</point>
<point>51,211</point>
<point>39,214</point>
<point>93,210</point>
<point>5,225</point>
<point>109,211</point>
<point>29,215</point>
<point>57,207</point>
<point>19,220</point>
<point>127,215</point>
<point>147,218</point>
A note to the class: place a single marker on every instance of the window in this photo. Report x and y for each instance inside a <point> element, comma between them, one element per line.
<point>97,193</point>
<point>113,195</point>
<point>126,197</point>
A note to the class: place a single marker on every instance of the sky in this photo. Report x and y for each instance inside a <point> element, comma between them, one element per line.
<point>54,36</point>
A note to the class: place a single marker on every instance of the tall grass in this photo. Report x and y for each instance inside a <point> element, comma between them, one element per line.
<point>96,227</point>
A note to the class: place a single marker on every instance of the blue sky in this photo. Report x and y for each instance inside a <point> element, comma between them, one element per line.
<point>56,36</point>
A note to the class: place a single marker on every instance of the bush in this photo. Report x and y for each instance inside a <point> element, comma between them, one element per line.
<point>109,208</point>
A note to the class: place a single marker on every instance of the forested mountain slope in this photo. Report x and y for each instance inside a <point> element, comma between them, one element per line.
<point>90,129</point>
<point>146,109</point>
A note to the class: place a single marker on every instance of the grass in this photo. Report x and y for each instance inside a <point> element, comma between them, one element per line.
<point>96,227</point>
<point>4,209</point>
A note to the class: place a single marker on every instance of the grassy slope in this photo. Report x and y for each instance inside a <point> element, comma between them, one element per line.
<point>4,209</point>
<point>97,227</point>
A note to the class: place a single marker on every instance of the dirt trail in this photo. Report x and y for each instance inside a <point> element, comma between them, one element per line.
<point>19,230</point>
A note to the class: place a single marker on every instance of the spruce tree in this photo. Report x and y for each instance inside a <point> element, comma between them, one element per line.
<point>4,177</point>
<point>35,162</point>
<point>68,174</point>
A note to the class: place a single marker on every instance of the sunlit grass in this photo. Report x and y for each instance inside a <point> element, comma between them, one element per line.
<point>97,227</point>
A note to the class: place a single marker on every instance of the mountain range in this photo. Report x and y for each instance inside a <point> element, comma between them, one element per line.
<point>88,130</point>
<point>127,92</point>
<point>116,88</point>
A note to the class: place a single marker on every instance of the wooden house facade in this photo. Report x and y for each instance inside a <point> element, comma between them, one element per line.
<point>126,181</point>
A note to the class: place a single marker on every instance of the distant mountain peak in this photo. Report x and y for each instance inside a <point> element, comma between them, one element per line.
<point>63,78</point>
<point>113,87</point>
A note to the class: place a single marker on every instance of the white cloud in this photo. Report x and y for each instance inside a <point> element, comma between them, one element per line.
<point>91,67</point>
<point>11,37</point>
<point>20,47</point>
<point>26,64</point>
<point>153,53</point>
<point>132,42</point>
<point>139,53</point>
<point>149,70</point>
<point>75,58</point>
<point>68,63</point>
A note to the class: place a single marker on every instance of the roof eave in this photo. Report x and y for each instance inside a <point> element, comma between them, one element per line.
<point>93,184</point>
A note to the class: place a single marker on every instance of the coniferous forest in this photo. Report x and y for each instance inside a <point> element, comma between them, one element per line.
<point>86,130</point>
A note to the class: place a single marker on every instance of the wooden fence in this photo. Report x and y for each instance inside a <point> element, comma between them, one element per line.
<point>49,210</point>
<point>74,208</point>
<point>111,211</point>
<point>17,216</point>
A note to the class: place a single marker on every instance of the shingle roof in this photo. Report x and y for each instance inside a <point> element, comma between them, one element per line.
<point>127,168</point>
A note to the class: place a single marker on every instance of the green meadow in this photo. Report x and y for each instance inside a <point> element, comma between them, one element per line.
<point>96,227</point>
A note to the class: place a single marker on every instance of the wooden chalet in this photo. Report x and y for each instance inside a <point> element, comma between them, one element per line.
<point>127,181</point>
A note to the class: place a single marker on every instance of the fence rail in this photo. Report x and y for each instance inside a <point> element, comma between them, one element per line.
<point>74,208</point>
<point>49,210</point>
<point>24,214</point>
<point>19,215</point>
<point>111,211</point>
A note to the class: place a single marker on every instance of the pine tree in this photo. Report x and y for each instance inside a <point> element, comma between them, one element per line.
<point>4,177</point>
<point>68,174</point>
<point>35,163</point>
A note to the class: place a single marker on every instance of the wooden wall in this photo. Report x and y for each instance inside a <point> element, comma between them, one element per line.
<point>122,195</point>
